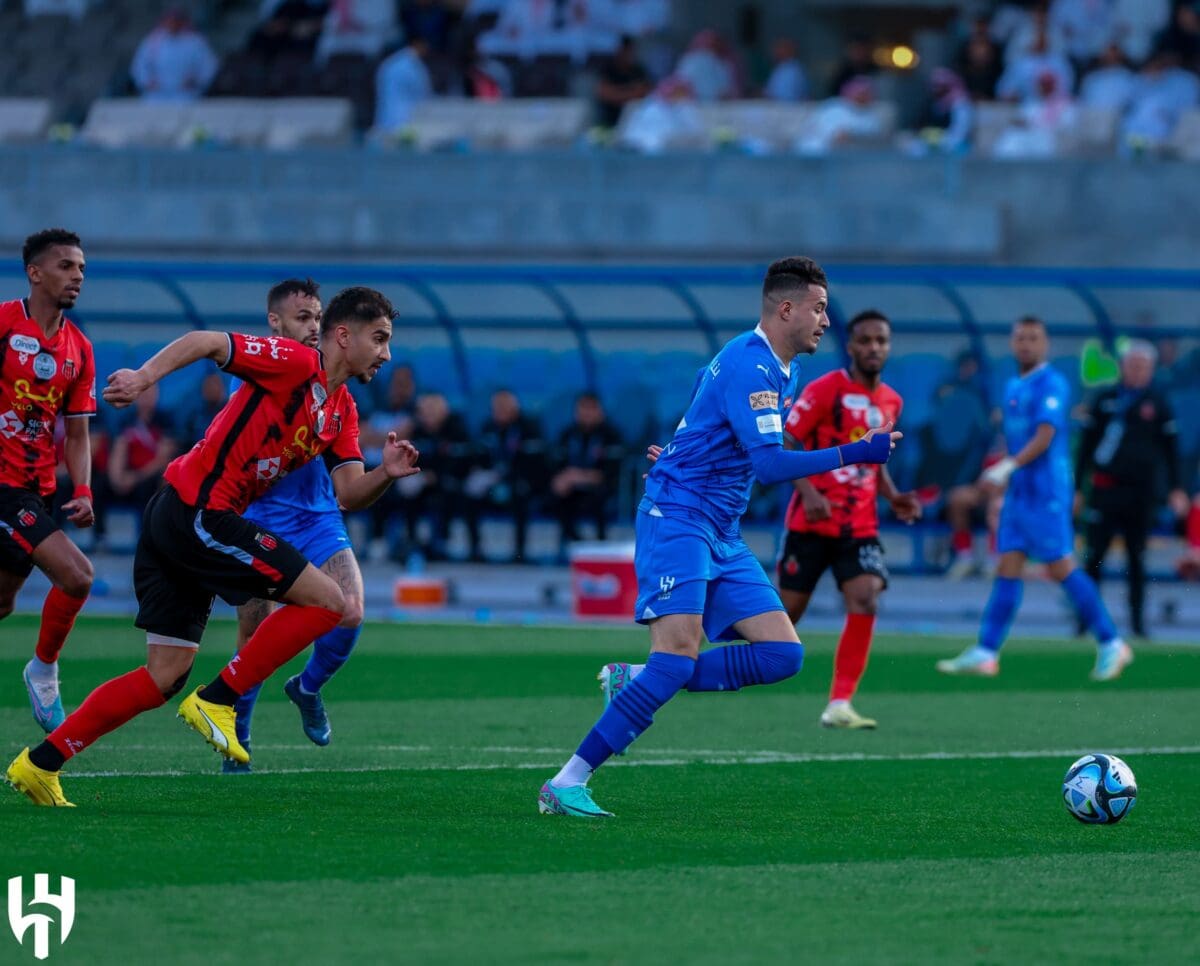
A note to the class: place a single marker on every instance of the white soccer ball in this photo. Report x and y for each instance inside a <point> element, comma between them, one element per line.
<point>1099,789</point>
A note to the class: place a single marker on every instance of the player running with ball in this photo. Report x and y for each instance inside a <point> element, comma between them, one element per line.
<point>696,576</point>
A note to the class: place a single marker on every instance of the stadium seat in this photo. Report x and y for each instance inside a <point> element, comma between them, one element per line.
<point>505,125</point>
<point>1185,138</point>
<point>24,119</point>
<point>916,377</point>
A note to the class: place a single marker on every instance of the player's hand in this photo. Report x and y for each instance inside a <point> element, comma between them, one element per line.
<point>124,386</point>
<point>885,428</point>
<point>907,507</point>
<point>995,478</point>
<point>80,512</point>
<point>400,457</point>
<point>1179,503</point>
<point>816,506</point>
<point>653,452</point>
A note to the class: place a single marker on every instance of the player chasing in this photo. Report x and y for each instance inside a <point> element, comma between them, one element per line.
<point>1035,520</point>
<point>832,518</point>
<point>46,369</point>
<point>195,543</point>
<point>696,576</point>
<point>302,508</point>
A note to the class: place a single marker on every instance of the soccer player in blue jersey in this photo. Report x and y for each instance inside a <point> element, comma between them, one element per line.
<point>696,576</point>
<point>303,509</point>
<point>1036,518</point>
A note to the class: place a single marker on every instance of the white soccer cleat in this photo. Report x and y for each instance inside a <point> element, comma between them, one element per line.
<point>841,714</point>
<point>1111,660</point>
<point>974,660</point>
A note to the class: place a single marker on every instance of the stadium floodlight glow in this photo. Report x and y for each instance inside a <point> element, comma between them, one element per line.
<point>904,57</point>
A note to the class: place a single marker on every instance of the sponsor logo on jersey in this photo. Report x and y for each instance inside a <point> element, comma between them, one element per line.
<point>764,400</point>
<point>44,366</point>
<point>25,346</point>
<point>770,423</point>
<point>856,400</point>
<point>665,586</point>
<point>268,469</point>
<point>10,424</point>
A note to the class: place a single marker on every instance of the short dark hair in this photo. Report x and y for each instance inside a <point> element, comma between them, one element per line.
<point>356,304</point>
<point>291,286</point>
<point>37,243</point>
<point>788,275</point>
<point>867,315</point>
<point>1030,320</point>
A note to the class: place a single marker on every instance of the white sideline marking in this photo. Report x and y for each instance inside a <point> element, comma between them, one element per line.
<point>706,757</point>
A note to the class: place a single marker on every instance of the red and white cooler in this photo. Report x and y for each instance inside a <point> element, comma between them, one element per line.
<point>603,581</point>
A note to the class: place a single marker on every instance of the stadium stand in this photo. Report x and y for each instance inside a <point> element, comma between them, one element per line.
<point>498,125</point>
<point>24,119</point>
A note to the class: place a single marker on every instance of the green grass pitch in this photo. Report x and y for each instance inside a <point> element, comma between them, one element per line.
<point>744,832</point>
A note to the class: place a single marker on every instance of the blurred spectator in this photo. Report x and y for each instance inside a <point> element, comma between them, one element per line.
<point>436,493</point>
<point>1189,564</point>
<point>288,28</point>
<point>787,81</point>
<point>1182,36</point>
<point>589,453</point>
<point>622,79</point>
<point>430,20</point>
<point>1128,455</point>
<point>1085,26</point>
<point>485,78</point>
<point>849,117</point>
<point>1024,69</point>
<point>522,30</point>
<point>708,68</point>
<point>358,27</point>
<point>1031,31</point>
<point>402,82</point>
<point>1162,92</point>
<point>141,452</point>
<point>857,61</point>
<point>213,397</point>
<point>57,8</point>
<point>1137,23</point>
<point>396,414</point>
<point>1111,84</point>
<point>648,21</point>
<point>949,118</point>
<point>979,62</point>
<point>507,469</point>
<point>666,119</point>
<point>1040,122</point>
<point>173,61</point>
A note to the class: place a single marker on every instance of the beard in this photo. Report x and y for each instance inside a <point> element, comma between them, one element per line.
<point>67,301</point>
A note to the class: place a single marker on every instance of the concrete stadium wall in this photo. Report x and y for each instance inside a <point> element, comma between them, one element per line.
<point>580,205</point>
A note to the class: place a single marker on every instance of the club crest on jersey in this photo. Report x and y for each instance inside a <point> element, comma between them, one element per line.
<point>69,368</point>
<point>266,541</point>
<point>27,518</point>
<point>764,400</point>
<point>44,366</point>
<point>11,424</point>
<point>268,469</point>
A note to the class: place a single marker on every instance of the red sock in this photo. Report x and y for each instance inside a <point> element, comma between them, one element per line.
<point>850,660</point>
<point>960,541</point>
<point>58,617</point>
<point>106,709</point>
<point>1193,525</point>
<point>283,635</point>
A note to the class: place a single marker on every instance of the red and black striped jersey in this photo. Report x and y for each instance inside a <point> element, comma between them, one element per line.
<point>281,418</point>
<point>39,378</point>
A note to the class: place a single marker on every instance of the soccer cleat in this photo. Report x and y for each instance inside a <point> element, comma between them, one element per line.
<point>843,715</point>
<point>612,678</point>
<point>964,565</point>
<point>572,800</point>
<point>45,700</point>
<point>38,785</point>
<point>313,718</point>
<point>974,660</point>
<point>215,723</point>
<point>1111,660</point>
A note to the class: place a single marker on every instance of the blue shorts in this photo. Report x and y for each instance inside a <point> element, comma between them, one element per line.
<point>1044,534</point>
<point>685,567</point>
<point>318,534</point>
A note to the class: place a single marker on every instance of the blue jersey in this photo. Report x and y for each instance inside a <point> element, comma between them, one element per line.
<point>737,405</point>
<point>1040,396</point>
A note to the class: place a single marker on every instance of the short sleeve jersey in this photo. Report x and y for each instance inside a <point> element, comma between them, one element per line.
<point>39,379</point>
<point>283,417</point>
<point>1040,396</point>
<point>737,406</point>
<point>832,411</point>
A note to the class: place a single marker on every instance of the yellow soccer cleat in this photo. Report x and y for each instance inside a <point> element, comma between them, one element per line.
<point>216,724</point>
<point>841,714</point>
<point>38,785</point>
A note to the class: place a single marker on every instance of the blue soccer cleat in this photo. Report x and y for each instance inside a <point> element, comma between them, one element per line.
<point>313,718</point>
<point>44,699</point>
<point>572,800</point>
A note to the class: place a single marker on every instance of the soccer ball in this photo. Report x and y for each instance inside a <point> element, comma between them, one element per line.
<point>1099,789</point>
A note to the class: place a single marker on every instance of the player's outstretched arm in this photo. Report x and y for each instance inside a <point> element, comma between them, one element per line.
<point>125,385</point>
<point>357,488</point>
<point>774,464</point>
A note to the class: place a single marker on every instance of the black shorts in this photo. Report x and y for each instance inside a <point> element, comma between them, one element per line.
<point>186,557</point>
<point>808,555</point>
<point>25,521</point>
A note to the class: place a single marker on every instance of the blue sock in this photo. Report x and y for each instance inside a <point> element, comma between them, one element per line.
<point>999,613</point>
<point>244,708</point>
<point>735,666</point>
<point>632,710</point>
<point>329,653</point>
<point>1088,604</point>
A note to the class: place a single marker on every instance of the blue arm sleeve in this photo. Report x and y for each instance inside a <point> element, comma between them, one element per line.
<point>775,464</point>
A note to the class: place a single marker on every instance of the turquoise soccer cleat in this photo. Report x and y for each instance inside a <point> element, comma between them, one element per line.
<point>974,660</point>
<point>612,678</point>
<point>45,700</point>
<point>1111,660</point>
<point>573,800</point>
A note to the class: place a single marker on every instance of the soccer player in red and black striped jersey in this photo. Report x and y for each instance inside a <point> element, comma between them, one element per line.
<point>46,370</point>
<point>832,520</point>
<point>195,544</point>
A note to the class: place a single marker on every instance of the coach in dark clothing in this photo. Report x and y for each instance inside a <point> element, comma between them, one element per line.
<point>1127,456</point>
<point>589,452</point>
<point>507,469</point>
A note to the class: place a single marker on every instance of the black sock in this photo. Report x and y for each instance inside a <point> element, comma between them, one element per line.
<point>47,757</point>
<point>218,692</point>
